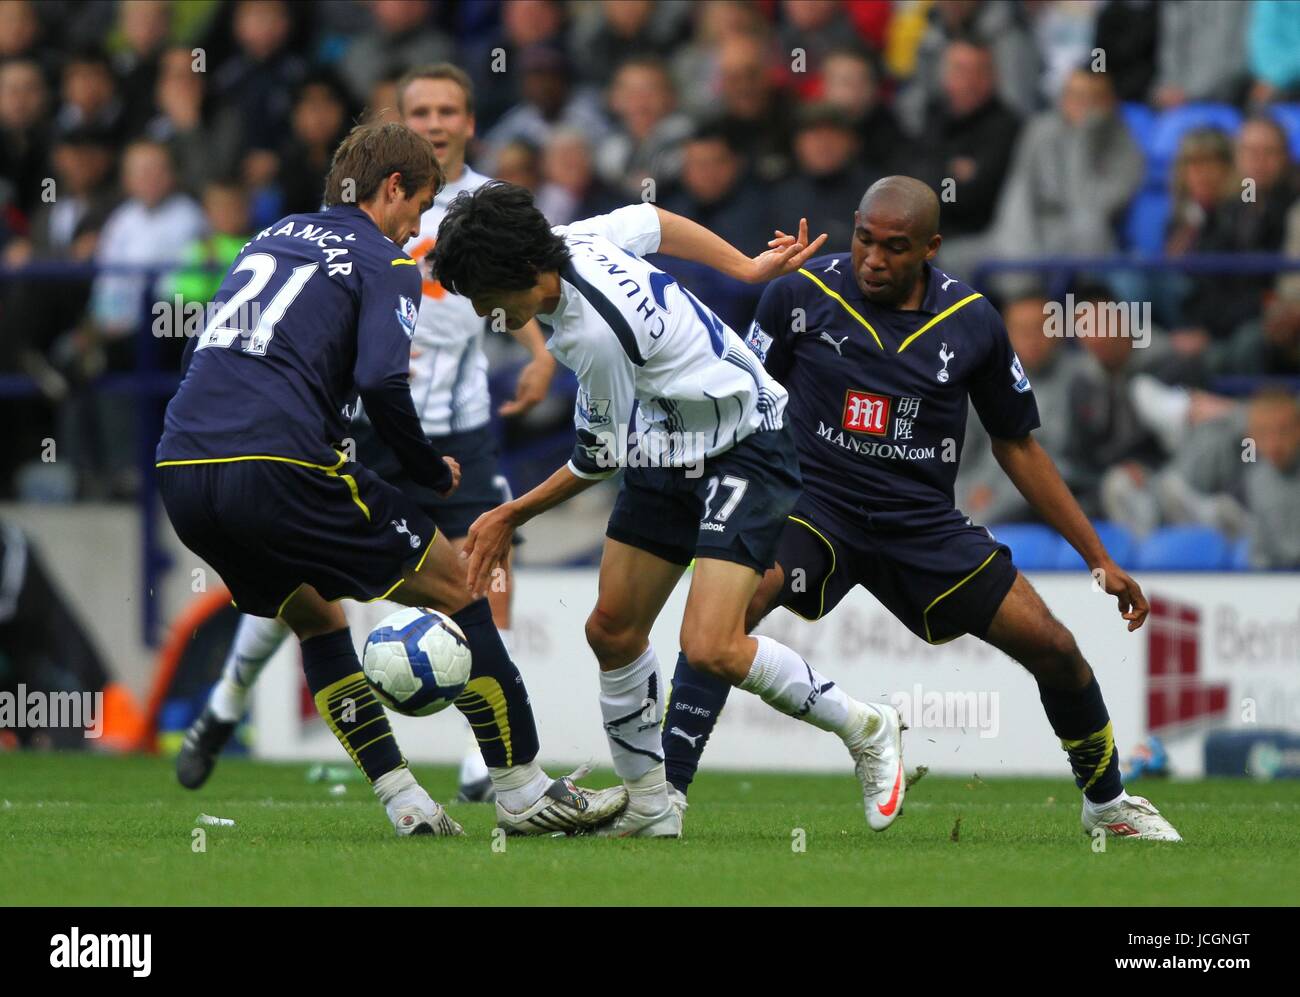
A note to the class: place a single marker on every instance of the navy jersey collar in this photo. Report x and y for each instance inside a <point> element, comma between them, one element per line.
<point>929,301</point>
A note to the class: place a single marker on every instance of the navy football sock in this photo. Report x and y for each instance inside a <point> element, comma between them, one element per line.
<point>347,704</point>
<point>495,702</point>
<point>693,707</point>
<point>1080,720</point>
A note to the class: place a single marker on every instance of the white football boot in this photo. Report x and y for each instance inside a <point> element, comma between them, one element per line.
<point>565,808</point>
<point>415,812</point>
<point>878,763</point>
<point>677,798</point>
<point>1129,817</point>
<point>633,824</point>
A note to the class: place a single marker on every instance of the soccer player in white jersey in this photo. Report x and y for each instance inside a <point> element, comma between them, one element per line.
<point>450,390</point>
<point>711,475</point>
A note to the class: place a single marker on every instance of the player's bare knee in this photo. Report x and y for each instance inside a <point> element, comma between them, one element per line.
<point>612,640</point>
<point>714,654</point>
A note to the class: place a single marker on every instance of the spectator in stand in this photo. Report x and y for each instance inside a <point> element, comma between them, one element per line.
<point>151,228</point>
<point>381,108</point>
<point>206,260</point>
<point>259,80</point>
<point>1126,32</point>
<point>1063,36</point>
<point>203,135</point>
<point>1075,170</point>
<point>492,64</point>
<point>984,492</point>
<point>829,174</point>
<point>695,63</point>
<point>850,81</point>
<point>402,36</point>
<point>619,30</point>
<point>649,130</point>
<point>38,318</point>
<point>814,28</point>
<point>1268,346</point>
<point>1200,52</point>
<point>755,110</point>
<point>90,95</point>
<point>20,33</point>
<point>1252,219</point>
<point>965,151</point>
<point>321,117</point>
<point>24,134</point>
<point>1273,479</point>
<point>717,192</point>
<point>1202,179</point>
<point>518,162</point>
<point>549,102</point>
<point>143,27</point>
<point>570,189</point>
<point>1109,447</point>
<point>999,27</point>
<point>1273,41</point>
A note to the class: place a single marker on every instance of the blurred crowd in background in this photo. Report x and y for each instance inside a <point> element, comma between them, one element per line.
<point>164,134</point>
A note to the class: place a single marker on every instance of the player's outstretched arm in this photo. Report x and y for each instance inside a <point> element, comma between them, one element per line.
<point>688,240</point>
<point>489,537</point>
<point>1032,471</point>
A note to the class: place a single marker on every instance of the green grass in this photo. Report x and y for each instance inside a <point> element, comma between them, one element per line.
<point>81,829</point>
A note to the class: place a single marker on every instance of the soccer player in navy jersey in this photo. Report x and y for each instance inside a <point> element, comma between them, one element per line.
<point>318,310</point>
<point>879,351</point>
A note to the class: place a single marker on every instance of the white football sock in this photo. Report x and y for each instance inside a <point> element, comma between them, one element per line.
<point>256,640</point>
<point>631,701</point>
<point>649,793</point>
<point>783,680</point>
<point>397,782</point>
<point>472,767</point>
<point>519,786</point>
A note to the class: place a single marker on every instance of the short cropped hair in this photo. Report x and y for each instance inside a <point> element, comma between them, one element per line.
<point>439,71</point>
<point>373,152</point>
<point>494,239</point>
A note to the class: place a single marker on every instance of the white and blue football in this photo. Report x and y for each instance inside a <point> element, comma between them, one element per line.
<point>417,661</point>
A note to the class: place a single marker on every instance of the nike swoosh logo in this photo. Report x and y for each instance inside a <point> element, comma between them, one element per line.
<point>888,809</point>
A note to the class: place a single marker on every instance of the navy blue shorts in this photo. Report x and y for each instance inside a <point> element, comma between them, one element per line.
<point>270,526</point>
<point>941,580</point>
<point>734,511</point>
<point>482,485</point>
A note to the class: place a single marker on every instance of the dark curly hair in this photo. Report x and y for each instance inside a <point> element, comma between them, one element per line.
<point>494,239</point>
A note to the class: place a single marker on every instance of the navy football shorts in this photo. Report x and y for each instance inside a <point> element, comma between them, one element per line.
<point>734,511</point>
<point>941,580</point>
<point>482,485</point>
<point>271,526</point>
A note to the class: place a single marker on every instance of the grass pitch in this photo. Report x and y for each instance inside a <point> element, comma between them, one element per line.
<point>92,830</point>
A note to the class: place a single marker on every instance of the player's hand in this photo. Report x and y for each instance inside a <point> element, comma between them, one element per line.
<point>1127,592</point>
<point>454,466</point>
<point>786,255</point>
<point>533,385</point>
<point>486,548</point>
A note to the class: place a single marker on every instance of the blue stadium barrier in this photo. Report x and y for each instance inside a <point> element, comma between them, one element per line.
<point>1033,546</point>
<point>1184,548</point>
<point>1121,544</point>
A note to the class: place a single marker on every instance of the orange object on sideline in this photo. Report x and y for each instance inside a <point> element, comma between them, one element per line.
<point>169,658</point>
